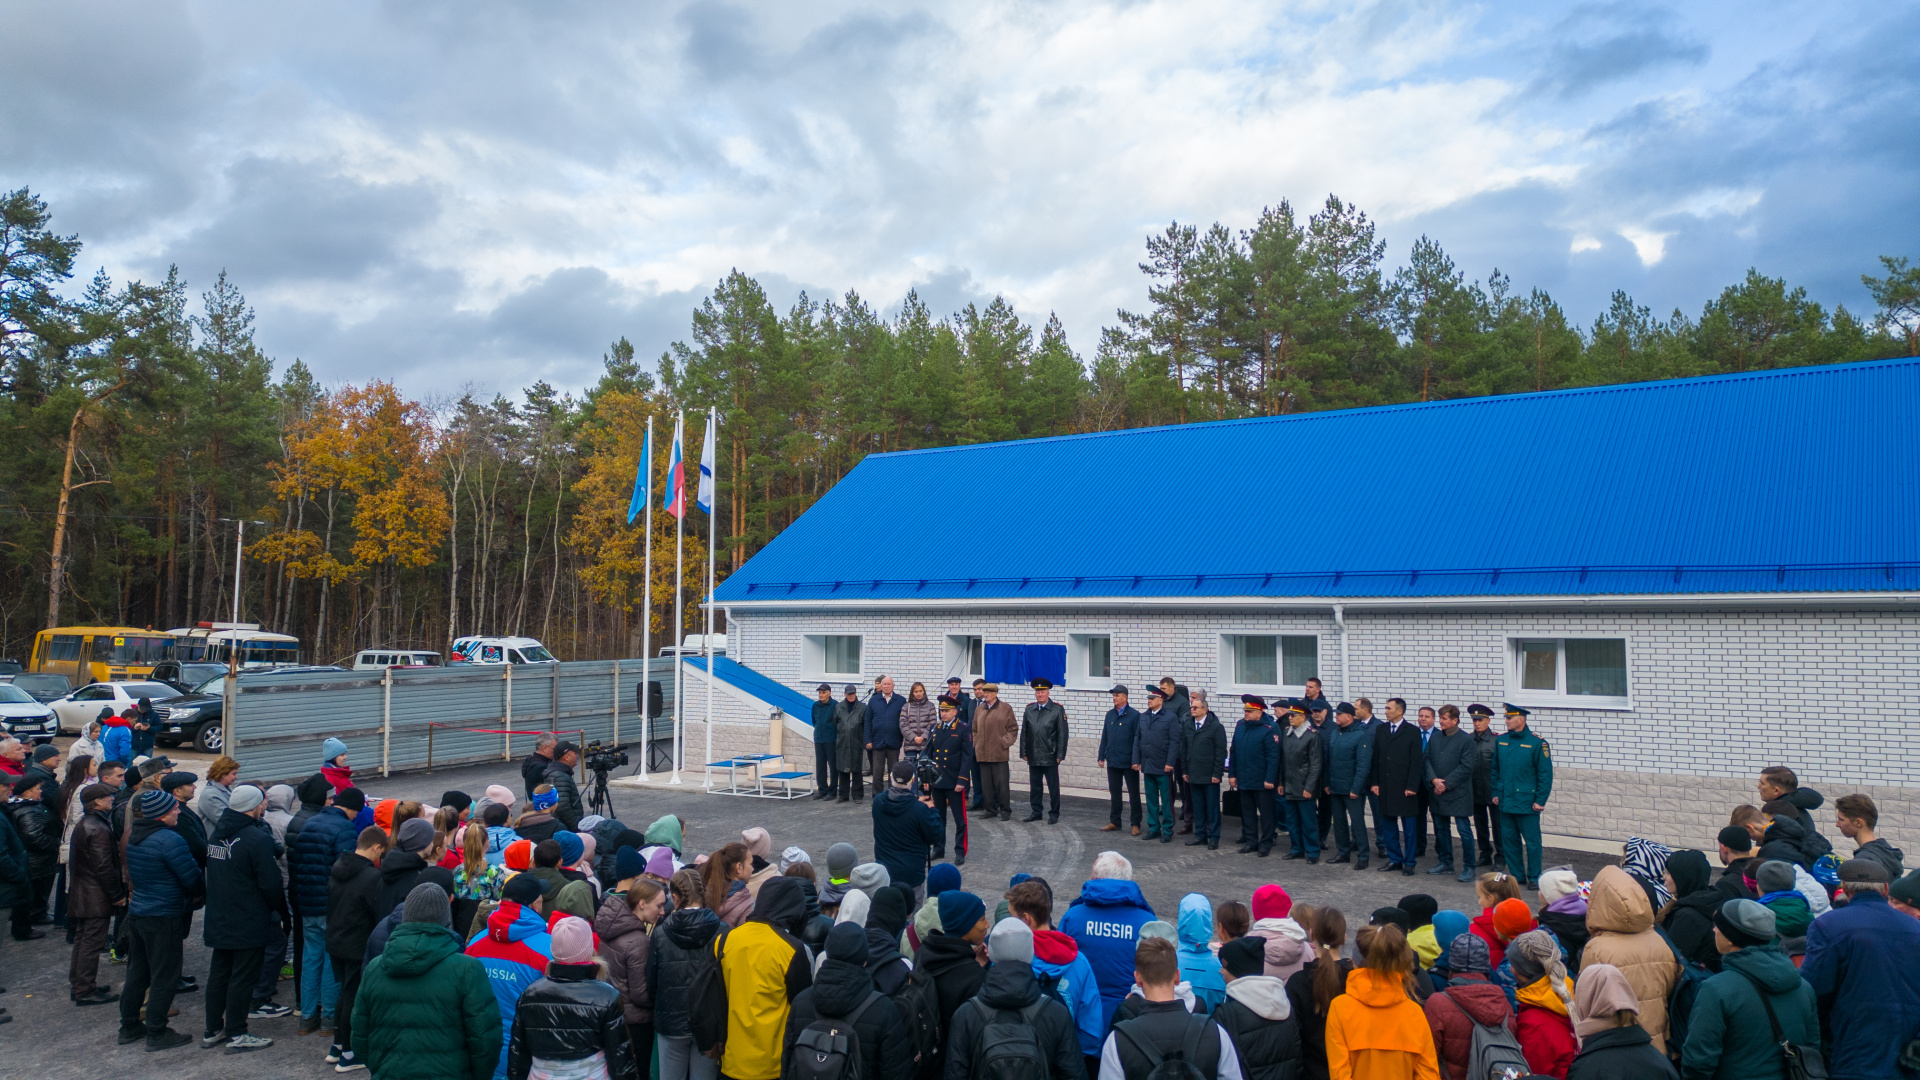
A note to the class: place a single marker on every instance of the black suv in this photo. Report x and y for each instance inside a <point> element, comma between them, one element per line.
<point>185,675</point>
<point>196,717</point>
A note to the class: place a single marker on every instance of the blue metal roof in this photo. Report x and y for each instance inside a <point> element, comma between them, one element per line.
<point>1802,480</point>
<point>734,673</point>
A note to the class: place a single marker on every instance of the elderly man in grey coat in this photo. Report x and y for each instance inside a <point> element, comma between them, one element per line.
<point>1451,757</point>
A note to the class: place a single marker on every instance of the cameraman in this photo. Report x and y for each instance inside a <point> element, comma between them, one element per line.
<point>566,758</point>
<point>950,749</point>
<point>905,830</point>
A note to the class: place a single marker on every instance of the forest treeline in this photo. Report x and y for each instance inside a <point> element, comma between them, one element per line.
<point>146,422</point>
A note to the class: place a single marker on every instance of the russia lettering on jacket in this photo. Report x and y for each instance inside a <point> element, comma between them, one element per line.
<point>1109,929</point>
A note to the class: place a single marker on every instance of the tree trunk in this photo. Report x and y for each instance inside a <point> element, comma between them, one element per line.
<point>58,569</point>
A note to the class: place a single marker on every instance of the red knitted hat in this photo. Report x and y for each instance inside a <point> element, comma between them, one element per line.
<point>1271,902</point>
<point>1511,918</point>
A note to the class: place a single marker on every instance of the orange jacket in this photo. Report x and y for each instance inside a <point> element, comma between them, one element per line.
<point>1376,1032</point>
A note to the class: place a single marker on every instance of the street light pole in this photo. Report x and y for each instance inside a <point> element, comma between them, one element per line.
<point>233,631</point>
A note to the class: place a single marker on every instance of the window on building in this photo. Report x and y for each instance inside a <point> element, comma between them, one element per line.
<point>966,656</point>
<point>1587,673</point>
<point>830,654</point>
<point>1090,661</point>
<point>1270,661</point>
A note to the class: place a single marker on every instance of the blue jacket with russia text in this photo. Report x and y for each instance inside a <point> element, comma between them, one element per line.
<point>1105,920</point>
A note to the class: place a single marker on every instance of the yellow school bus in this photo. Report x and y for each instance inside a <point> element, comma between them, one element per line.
<point>88,654</point>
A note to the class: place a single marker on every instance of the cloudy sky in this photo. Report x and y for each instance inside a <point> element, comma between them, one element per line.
<point>487,193</point>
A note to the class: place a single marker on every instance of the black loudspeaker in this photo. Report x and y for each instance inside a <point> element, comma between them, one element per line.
<point>651,701</point>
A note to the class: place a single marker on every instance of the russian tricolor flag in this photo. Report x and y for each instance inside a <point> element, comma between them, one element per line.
<point>675,502</point>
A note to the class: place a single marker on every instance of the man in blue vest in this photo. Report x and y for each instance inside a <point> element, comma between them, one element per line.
<point>1253,770</point>
<point>1522,782</point>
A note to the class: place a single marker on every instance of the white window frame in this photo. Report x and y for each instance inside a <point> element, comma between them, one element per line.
<point>813,657</point>
<point>1229,685</point>
<point>1558,698</point>
<point>957,661</point>
<point>1078,677</point>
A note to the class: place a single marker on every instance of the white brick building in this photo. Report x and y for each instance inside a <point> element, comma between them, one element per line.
<point>1679,614</point>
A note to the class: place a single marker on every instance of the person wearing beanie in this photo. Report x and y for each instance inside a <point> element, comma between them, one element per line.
<point>246,921</point>
<point>949,955</point>
<point>1257,1016</point>
<point>1544,1000</point>
<point>840,991</point>
<point>423,1008</point>
<point>886,920</point>
<point>765,967</point>
<point>906,831</point>
<point>401,867</point>
<point>1420,909</point>
<point>1774,881</point>
<point>1564,911</point>
<point>166,884</point>
<point>1470,998</point>
<point>792,857</point>
<point>1007,985</point>
<point>941,878</point>
<point>1286,940</point>
<point>1613,1045</point>
<point>1622,936</point>
<point>1688,919</point>
<point>570,1015</point>
<point>518,856</point>
<point>1728,1032</point>
<point>868,877</point>
<point>1904,894</point>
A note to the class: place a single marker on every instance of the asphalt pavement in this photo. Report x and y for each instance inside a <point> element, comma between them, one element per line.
<point>52,1039</point>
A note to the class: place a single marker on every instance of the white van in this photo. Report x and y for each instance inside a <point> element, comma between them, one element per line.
<point>381,659</point>
<point>501,650</point>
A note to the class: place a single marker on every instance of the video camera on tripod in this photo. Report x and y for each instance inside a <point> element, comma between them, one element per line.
<point>602,759</point>
<point>599,761</point>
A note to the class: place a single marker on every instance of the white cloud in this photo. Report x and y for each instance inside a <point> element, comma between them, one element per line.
<point>1011,146</point>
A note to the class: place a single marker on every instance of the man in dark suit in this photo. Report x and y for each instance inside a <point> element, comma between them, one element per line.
<point>1399,773</point>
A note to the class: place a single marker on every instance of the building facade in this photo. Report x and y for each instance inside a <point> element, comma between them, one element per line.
<point>1687,593</point>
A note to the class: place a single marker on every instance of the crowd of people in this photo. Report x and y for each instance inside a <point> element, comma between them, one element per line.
<point>512,936</point>
<point>1314,771</point>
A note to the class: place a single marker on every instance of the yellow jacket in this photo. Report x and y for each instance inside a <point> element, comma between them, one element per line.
<point>765,968</point>
<point>1376,1032</point>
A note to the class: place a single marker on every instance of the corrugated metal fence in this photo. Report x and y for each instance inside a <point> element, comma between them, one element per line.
<point>278,723</point>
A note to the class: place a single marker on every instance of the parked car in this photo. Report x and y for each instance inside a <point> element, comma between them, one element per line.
<point>84,704</point>
<point>502,650</point>
<point>24,718</point>
<point>10,668</point>
<point>381,659</point>
<point>185,675</point>
<point>42,686</point>
<point>196,717</point>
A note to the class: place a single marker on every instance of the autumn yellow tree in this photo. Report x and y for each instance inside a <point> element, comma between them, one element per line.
<point>370,450</point>
<point>612,550</point>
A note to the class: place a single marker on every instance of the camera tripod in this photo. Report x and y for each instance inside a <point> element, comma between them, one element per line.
<point>599,799</point>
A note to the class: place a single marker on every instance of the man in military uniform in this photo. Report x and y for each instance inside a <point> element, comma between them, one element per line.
<point>1116,756</point>
<point>950,748</point>
<point>1043,746</point>
<point>1486,826</point>
<point>1253,770</point>
<point>1522,781</point>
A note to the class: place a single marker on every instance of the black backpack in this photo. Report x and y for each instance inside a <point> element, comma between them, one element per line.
<point>707,999</point>
<point>1007,1048</point>
<point>918,1003</point>
<point>1183,1065</point>
<point>1686,988</point>
<point>829,1049</point>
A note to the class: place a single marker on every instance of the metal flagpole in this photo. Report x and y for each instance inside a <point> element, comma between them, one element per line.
<point>679,617</point>
<point>711,465</point>
<point>646,609</point>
